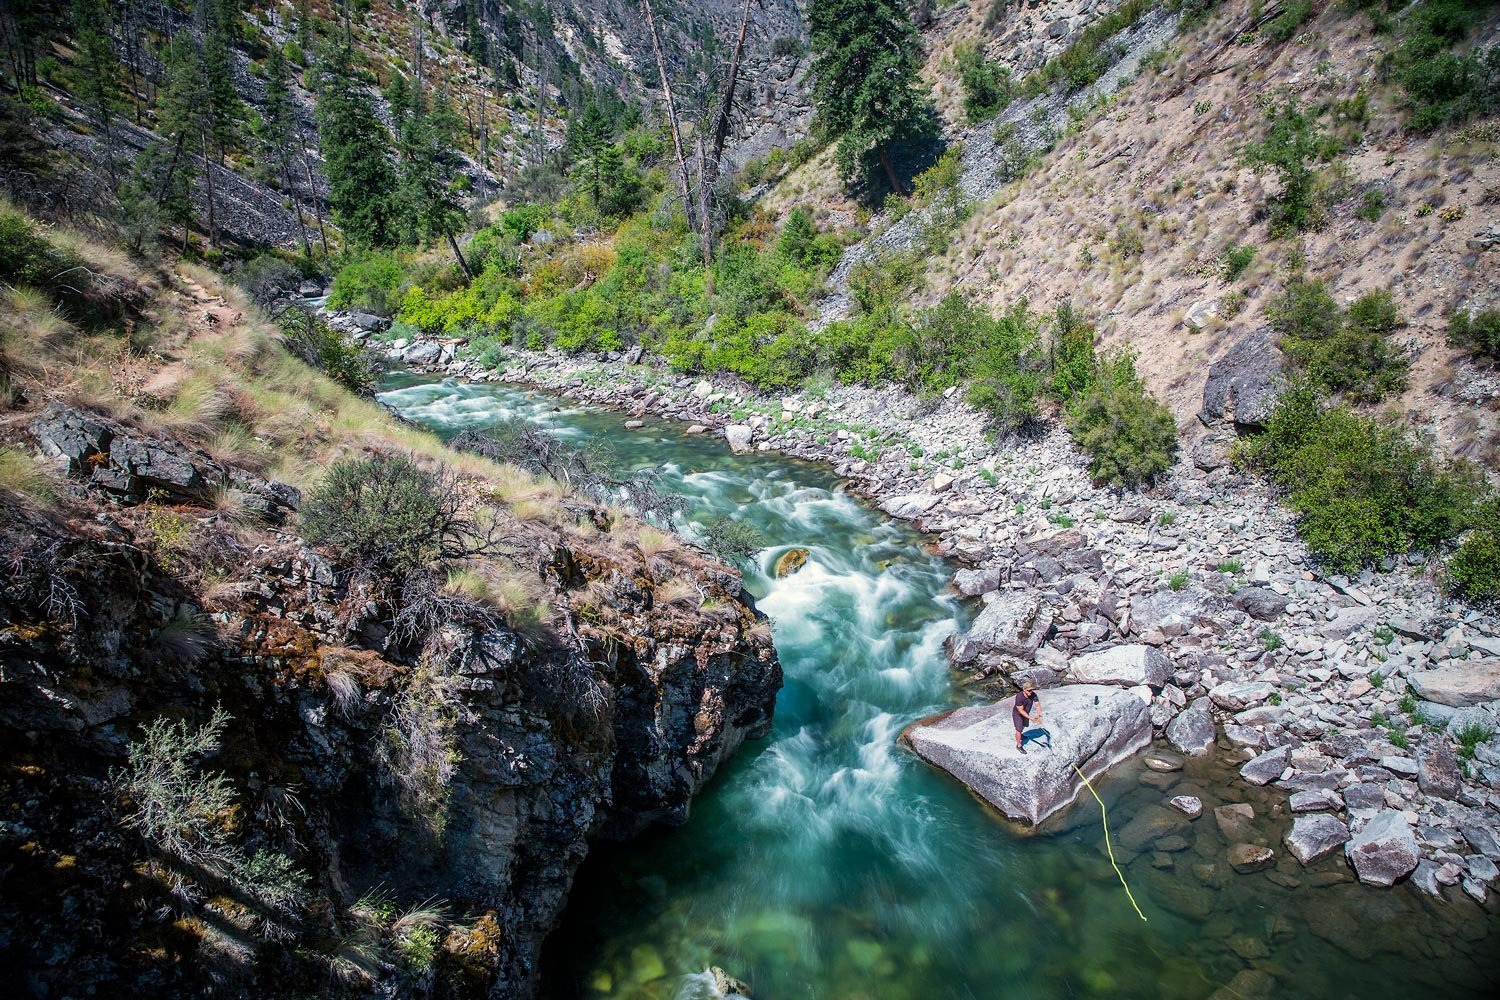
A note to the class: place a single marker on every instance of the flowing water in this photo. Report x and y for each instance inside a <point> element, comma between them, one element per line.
<point>825,862</point>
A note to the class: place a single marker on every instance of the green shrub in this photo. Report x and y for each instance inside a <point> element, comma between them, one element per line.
<point>1072,363</point>
<point>732,540</point>
<point>1361,487</point>
<point>988,88</point>
<point>369,281</point>
<point>1286,24</point>
<point>1341,352</point>
<point>386,516</point>
<point>1478,332</point>
<point>28,257</point>
<point>1474,568</point>
<point>1095,51</point>
<point>1291,144</point>
<point>1371,207</point>
<point>1441,86</point>
<point>1235,260</point>
<point>1129,436</point>
<point>322,347</point>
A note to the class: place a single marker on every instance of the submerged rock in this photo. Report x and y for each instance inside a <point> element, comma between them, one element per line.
<point>1092,727</point>
<point>790,562</point>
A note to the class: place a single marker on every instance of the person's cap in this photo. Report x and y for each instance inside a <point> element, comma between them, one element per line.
<point>1027,685</point>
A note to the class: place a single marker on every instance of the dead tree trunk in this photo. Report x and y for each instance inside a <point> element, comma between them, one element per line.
<point>683,179</point>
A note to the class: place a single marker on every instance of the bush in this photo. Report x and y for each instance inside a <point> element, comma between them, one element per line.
<point>988,89</point>
<point>1443,87</point>
<point>28,257</point>
<point>1073,365</point>
<point>1478,332</point>
<point>1474,569</point>
<point>267,277</point>
<point>1338,351</point>
<point>1361,487</point>
<point>1291,144</point>
<point>1235,261</point>
<point>1286,24</point>
<point>732,540</point>
<point>370,282</point>
<point>1371,207</point>
<point>325,349</point>
<point>1129,436</point>
<point>387,517</point>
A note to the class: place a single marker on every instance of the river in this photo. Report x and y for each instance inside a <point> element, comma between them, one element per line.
<point>825,862</point>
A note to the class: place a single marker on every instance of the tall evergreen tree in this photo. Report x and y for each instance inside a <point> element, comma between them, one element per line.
<point>185,122</point>
<point>430,171</point>
<point>866,60</point>
<point>356,152</point>
<point>98,70</point>
<point>280,130</point>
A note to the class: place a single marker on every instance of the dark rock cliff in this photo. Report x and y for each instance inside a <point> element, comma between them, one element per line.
<point>608,721</point>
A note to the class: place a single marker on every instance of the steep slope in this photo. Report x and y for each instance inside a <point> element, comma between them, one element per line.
<point>412,767</point>
<point>1141,191</point>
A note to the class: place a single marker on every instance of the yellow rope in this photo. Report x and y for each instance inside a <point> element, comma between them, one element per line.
<point>1104,815</point>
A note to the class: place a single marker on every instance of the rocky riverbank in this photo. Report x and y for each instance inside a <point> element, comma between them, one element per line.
<point>1370,702</point>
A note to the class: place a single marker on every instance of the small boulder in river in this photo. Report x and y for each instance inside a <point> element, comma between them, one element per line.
<point>790,562</point>
<point>1312,838</point>
<point>1092,727</point>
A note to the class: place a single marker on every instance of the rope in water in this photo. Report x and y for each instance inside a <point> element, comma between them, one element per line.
<point>1104,815</point>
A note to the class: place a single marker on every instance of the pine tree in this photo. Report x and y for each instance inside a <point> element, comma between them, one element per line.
<point>280,130</point>
<point>98,70</point>
<point>866,61</point>
<point>219,18</point>
<point>430,172</point>
<point>361,181</point>
<point>185,122</point>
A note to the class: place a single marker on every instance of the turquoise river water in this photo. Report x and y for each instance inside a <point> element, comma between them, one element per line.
<point>826,862</point>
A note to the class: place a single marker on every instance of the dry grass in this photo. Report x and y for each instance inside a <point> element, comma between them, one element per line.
<point>680,591</point>
<point>22,475</point>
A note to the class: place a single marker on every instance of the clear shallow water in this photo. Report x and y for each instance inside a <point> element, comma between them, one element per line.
<point>824,862</point>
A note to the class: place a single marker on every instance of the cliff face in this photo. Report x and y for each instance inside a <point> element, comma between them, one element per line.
<point>608,721</point>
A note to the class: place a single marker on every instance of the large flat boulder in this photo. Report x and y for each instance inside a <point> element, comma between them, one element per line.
<point>1314,837</point>
<point>1012,624</point>
<point>1127,665</point>
<point>1093,728</point>
<point>1474,682</point>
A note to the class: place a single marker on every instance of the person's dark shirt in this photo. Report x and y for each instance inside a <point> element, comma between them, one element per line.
<point>1024,700</point>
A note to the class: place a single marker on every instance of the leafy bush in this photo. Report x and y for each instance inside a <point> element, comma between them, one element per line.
<point>801,243</point>
<point>1073,365</point>
<point>28,257</point>
<point>1088,58</point>
<point>266,277</point>
<point>1478,332</point>
<point>1292,144</point>
<point>370,281</point>
<point>732,540</point>
<point>1371,206</point>
<point>418,751</point>
<point>1129,436</point>
<point>1474,568</point>
<point>1444,87</point>
<point>1362,488</point>
<point>387,517</point>
<point>988,88</point>
<point>325,349</point>
<point>1286,24</point>
<point>1235,261</point>
<point>1340,352</point>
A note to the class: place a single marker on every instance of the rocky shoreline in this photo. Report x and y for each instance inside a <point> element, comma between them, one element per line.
<point>1371,702</point>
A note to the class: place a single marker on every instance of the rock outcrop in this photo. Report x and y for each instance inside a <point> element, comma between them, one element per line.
<point>1092,728</point>
<point>1243,385</point>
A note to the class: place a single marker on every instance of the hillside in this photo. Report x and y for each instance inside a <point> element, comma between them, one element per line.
<point>249,765</point>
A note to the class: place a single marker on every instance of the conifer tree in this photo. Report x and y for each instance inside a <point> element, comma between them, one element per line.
<point>866,60</point>
<point>361,180</point>
<point>185,122</point>
<point>98,70</point>
<point>280,130</point>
